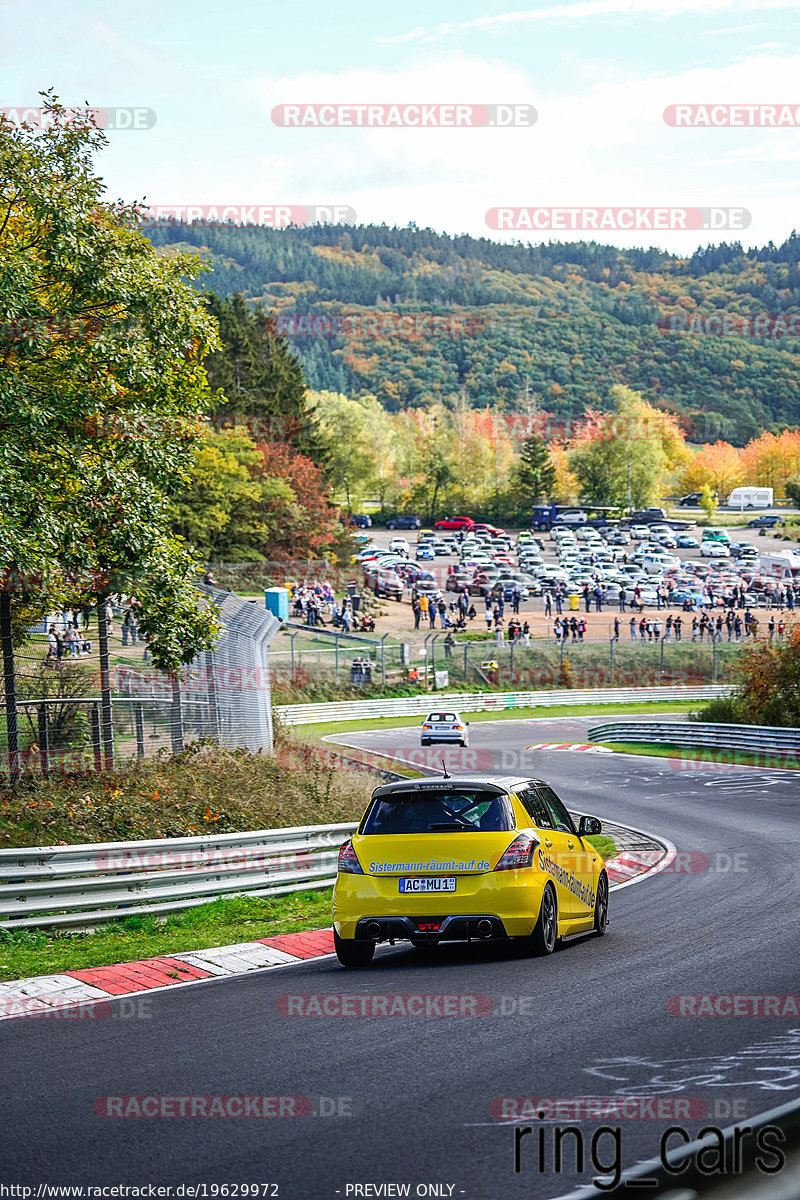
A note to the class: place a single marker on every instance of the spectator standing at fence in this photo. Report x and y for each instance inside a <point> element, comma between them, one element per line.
<point>526,633</point>
<point>52,644</point>
<point>598,598</point>
<point>559,598</point>
<point>109,611</point>
<point>677,625</point>
<point>449,642</point>
<point>668,629</point>
<point>587,597</point>
<point>616,629</point>
<point>548,603</point>
<point>632,627</point>
<point>71,642</point>
<point>622,599</point>
<point>416,608</point>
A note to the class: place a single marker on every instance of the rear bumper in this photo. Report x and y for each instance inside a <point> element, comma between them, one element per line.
<point>473,927</point>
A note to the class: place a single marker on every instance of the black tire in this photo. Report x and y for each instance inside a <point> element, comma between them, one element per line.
<point>351,953</point>
<point>391,525</point>
<point>425,743</point>
<point>601,906</point>
<point>544,937</point>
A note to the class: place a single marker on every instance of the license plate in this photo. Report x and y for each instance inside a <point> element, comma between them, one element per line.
<point>439,883</point>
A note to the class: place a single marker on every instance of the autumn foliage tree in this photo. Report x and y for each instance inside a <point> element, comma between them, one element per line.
<point>766,680</point>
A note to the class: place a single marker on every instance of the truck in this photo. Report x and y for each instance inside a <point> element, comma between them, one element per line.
<point>750,496</point>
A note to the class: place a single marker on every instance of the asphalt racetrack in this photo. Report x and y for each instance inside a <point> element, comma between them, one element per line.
<point>414,1100</point>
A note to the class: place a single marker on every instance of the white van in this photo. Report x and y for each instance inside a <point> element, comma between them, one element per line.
<point>751,497</point>
<point>780,563</point>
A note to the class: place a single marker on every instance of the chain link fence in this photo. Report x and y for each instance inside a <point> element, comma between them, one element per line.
<point>85,694</point>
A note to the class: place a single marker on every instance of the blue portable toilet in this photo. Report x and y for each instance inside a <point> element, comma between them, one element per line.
<point>276,601</point>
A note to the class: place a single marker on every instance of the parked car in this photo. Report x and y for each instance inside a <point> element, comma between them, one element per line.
<point>384,581</point>
<point>455,523</point>
<point>713,549</point>
<point>400,546</point>
<point>685,541</point>
<point>766,522</point>
<point>361,520</point>
<point>425,552</point>
<point>403,522</point>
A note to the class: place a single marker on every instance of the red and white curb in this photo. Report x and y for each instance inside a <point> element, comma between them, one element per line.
<point>632,863</point>
<point>45,994</point>
<point>587,747</point>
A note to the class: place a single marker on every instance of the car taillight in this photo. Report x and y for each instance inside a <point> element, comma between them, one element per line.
<point>348,860</point>
<point>426,726</point>
<point>519,854</point>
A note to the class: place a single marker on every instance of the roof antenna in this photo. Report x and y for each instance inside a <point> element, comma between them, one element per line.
<point>444,770</point>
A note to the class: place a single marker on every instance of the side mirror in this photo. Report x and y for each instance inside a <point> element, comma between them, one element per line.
<point>589,826</point>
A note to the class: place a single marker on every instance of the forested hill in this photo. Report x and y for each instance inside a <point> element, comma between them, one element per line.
<point>521,326</point>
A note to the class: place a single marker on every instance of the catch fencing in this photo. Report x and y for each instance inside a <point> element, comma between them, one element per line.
<point>96,698</point>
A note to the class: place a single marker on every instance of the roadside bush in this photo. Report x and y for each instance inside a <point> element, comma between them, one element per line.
<point>206,788</point>
<point>766,680</point>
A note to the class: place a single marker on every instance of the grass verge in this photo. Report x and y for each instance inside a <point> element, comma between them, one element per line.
<point>223,922</point>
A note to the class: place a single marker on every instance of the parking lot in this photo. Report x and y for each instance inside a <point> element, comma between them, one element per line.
<point>579,559</point>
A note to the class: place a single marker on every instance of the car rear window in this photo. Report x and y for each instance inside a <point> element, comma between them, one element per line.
<point>449,717</point>
<point>462,811</point>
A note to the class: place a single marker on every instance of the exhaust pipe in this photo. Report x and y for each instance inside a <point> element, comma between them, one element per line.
<point>373,930</point>
<point>484,928</point>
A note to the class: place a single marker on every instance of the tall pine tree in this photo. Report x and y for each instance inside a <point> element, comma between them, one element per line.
<point>535,474</point>
<point>261,377</point>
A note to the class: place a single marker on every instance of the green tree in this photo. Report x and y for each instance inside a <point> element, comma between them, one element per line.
<point>343,431</point>
<point>622,457</point>
<point>793,489</point>
<point>102,390</point>
<point>260,377</point>
<point>708,503</point>
<point>534,475</point>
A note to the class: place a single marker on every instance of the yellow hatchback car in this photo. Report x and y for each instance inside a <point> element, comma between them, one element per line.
<point>467,859</point>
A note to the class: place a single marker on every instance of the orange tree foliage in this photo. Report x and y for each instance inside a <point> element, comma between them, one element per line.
<point>767,682</point>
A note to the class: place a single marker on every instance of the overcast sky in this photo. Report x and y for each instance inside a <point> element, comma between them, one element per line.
<point>599,74</point>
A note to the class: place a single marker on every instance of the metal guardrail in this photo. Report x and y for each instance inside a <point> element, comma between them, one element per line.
<point>698,735</point>
<point>410,706</point>
<point>730,1169</point>
<point>63,886</point>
